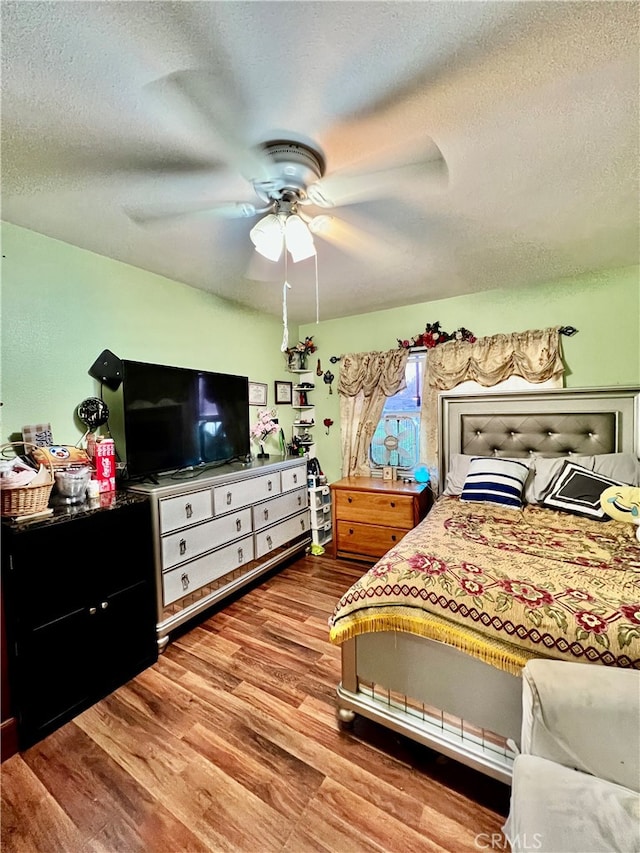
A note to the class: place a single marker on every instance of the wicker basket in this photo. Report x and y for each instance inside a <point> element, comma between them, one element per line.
<point>24,500</point>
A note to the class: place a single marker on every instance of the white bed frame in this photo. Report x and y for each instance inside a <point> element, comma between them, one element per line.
<point>431,692</point>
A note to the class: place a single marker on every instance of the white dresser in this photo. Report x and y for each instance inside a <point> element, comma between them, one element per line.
<point>216,532</point>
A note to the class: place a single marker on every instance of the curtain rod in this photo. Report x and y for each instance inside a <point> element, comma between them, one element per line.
<point>569,331</point>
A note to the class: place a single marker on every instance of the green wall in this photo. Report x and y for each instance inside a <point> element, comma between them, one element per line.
<point>604,307</point>
<point>61,306</point>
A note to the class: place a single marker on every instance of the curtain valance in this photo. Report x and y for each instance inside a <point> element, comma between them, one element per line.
<point>535,355</point>
<point>364,372</point>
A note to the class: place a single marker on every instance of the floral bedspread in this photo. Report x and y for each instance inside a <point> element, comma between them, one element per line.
<point>505,586</point>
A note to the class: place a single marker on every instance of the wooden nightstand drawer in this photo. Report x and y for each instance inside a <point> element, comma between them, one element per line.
<point>393,510</point>
<point>373,515</point>
<point>366,539</point>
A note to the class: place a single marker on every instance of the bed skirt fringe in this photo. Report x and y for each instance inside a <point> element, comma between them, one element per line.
<point>492,652</point>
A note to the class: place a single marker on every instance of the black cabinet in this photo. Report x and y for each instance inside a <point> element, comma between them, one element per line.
<point>80,609</point>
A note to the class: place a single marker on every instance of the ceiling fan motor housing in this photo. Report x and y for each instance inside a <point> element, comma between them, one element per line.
<point>295,167</point>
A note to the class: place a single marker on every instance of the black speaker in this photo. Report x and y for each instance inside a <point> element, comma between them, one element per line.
<point>107,368</point>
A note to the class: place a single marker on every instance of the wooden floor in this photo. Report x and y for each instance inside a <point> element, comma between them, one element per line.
<point>230,742</point>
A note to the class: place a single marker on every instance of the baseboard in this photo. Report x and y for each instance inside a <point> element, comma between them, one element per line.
<point>8,738</point>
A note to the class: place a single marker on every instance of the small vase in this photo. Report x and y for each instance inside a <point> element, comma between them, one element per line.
<point>302,361</point>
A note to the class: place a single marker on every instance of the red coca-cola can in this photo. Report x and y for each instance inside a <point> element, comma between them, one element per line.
<point>105,462</point>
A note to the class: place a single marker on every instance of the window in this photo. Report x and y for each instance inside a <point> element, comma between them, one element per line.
<point>396,440</point>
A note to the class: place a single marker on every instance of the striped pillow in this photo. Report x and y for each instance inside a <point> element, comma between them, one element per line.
<point>495,480</point>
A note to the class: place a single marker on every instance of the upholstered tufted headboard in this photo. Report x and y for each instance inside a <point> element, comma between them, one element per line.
<point>552,422</point>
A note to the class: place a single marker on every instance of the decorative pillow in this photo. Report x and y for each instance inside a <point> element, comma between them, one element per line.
<point>459,468</point>
<point>577,490</point>
<point>622,503</point>
<point>495,480</point>
<point>546,470</point>
<point>623,467</point>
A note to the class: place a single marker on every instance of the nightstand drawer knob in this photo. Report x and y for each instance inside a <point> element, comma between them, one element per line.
<point>104,605</point>
<point>349,500</point>
<point>93,611</point>
<point>392,503</point>
<point>393,537</point>
<point>351,531</point>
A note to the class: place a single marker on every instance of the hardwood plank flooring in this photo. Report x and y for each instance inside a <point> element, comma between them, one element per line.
<point>230,743</point>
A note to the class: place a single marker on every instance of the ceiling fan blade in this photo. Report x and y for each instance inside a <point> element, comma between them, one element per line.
<point>427,171</point>
<point>210,103</point>
<point>350,238</point>
<point>225,210</point>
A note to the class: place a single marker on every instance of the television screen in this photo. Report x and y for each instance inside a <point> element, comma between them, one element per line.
<point>176,418</point>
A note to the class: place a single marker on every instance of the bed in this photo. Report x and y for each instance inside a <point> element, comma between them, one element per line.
<point>435,635</point>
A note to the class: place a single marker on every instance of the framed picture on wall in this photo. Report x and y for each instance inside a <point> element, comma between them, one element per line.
<point>283,393</point>
<point>257,393</point>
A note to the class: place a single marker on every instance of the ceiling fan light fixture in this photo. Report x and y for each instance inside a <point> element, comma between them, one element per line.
<point>267,236</point>
<point>298,239</point>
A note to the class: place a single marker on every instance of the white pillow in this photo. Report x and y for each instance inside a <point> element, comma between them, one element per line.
<point>618,466</point>
<point>492,479</point>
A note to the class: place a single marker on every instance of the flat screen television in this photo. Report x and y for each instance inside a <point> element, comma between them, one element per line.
<point>176,418</point>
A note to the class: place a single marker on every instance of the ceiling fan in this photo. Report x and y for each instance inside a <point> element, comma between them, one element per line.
<point>289,177</point>
<point>291,187</point>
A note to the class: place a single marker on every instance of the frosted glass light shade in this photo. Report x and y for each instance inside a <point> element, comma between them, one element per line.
<point>267,236</point>
<point>298,239</point>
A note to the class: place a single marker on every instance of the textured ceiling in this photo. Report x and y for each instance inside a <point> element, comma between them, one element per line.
<point>534,107</point>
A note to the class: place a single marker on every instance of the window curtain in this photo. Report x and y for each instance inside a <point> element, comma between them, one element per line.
<point>366,380</point>
<point>535,355</point>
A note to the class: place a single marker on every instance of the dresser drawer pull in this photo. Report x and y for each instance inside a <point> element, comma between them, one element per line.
<point>266,514</point>
<point>269,542</point>
<point>183,547</point>
<point>392,503</point>
<point>269,486</point>
<point>349,500</point>
<point>351,531</point>
<point>299,500</point>
<point>228,498</point>
<point>240,555</point>
<point>238,524</point>
<point>302,523</point>
<point>393,537</point>
<point>295,478</point>
<point>185,581</point>
<point>188,509</point>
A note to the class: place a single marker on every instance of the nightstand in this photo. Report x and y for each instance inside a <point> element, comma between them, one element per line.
<point>372,515</point>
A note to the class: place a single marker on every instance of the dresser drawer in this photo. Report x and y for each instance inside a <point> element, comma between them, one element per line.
<point>273,537</point>
<point>188,543</point>
<point>187,509</point>
<point>293,478</point>
<point>179,582</point>
<point>371,508</point>
<point>366,539</point>
<point>230,497</point>
<point>266,513</point>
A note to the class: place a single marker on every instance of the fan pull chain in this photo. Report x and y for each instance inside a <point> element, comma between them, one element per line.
<point>284,346</point>
<point>317,297</point>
